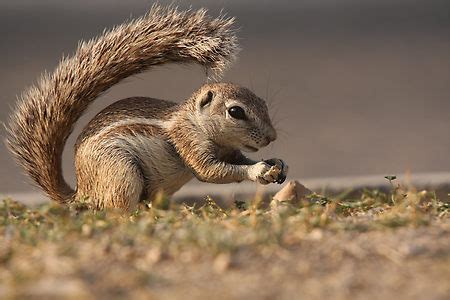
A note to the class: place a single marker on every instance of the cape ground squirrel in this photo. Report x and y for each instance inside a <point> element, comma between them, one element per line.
<point>139,146</point>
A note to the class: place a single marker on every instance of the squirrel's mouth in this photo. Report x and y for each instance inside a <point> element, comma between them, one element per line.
<point>250,148</point>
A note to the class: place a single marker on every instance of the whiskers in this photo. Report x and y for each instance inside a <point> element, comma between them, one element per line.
<point>274,104</point>
<point>282,134</point>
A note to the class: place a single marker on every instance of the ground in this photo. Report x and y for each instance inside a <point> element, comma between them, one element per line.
<point>376,246</point>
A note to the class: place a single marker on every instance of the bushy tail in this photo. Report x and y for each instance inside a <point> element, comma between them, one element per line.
<point>46,114</point>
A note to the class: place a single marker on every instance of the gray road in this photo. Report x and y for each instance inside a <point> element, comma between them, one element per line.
<point>353,88</point>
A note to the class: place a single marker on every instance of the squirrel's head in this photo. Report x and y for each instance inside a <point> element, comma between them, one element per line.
<point>233,116</point>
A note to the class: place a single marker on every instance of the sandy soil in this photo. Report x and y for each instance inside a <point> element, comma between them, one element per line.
<point>369,248</point>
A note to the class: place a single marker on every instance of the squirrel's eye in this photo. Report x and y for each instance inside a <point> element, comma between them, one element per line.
<point>237,113</point>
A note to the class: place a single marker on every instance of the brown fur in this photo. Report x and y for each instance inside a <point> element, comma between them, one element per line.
<point>47,112</point>
<point>137,147</point>
<point>138,107</point>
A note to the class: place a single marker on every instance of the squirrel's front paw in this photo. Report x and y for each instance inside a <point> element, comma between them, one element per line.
<point>269,171</point>
<point>282,167</point>
<point>260,172</point>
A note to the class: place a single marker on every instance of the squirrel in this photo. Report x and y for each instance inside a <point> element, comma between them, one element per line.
<point>138,147</point>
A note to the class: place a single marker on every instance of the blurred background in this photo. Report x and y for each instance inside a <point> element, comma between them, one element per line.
<point>354,87</point>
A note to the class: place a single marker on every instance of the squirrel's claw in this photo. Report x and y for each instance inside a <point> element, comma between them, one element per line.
<point>281,170</point>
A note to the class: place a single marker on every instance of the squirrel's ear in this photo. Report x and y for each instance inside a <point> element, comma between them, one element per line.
<point>206,99</point>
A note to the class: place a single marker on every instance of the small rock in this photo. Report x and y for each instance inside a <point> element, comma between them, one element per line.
<point>315,235</point>
<point>222,262</point>
<point>293,192</point>
<point>153,256</point>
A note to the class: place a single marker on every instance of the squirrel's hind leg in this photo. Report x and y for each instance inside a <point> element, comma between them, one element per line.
<point>108,177</point>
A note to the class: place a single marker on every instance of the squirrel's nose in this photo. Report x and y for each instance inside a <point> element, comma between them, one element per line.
<point>271,135</point>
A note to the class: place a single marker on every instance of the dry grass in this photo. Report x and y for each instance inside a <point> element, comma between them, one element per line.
<point>376,246</point>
